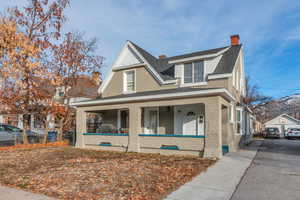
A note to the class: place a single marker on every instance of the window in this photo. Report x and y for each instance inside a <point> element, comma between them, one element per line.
<point>231,113</point>
<point>129,81</point>
<point>193,72</point>
<point>239,121</point>
<point>61,94</point>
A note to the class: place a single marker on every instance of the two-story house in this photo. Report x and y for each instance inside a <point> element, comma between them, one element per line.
<point>186,104</point>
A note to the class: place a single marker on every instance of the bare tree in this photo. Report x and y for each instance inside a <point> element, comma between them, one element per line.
<point>253,95</point>
<point>73,57</point>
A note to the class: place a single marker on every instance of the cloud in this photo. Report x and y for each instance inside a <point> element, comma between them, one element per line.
<point>174,27</point>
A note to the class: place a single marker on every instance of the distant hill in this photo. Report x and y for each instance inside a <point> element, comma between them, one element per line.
<point>288,104</point>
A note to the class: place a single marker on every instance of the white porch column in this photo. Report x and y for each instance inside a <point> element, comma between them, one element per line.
<point>20,121</point>
<point>135,120</point>
<point>32,121</point>
<point>213,130</point>
<point>80,128</point>
<point>1,119</point>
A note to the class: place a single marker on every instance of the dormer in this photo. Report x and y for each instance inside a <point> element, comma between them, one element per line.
<point>136,70</point>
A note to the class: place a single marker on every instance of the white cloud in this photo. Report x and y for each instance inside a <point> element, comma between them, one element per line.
<point>176,26</point>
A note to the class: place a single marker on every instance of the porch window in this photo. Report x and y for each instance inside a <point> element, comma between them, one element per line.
<point>129,81</point>
<point>123,121</point>
<point>194,72</point>
<point>151,120</point>
<point>239,121</point>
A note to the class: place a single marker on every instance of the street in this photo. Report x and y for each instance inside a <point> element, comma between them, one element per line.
<point>274,173</point>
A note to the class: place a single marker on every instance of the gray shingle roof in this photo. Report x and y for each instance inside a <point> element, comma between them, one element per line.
<point>166,70</point>
<point>228,60</point>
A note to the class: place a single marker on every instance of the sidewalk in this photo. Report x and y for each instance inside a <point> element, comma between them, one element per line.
<point>220,180</point>
<point>7,193</point>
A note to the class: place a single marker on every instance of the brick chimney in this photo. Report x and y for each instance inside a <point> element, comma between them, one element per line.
<point>162,56</point>
<point>235,40</point>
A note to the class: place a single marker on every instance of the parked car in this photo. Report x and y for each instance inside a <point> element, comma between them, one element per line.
<point>272,132</point>
<point>9,133</point>
<point>292,133</point>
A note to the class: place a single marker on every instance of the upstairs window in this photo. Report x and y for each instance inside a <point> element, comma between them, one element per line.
<point>193,72</point>
<point>129,81</point>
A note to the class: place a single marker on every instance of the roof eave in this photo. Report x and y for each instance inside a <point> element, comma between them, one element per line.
<point>221,91</point>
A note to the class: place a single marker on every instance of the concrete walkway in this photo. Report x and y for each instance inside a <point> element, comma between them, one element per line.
<point>7,193</point>
<point>220,180</point>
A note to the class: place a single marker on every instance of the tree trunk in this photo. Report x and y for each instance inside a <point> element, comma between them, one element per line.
<point>46,132</point>
<point>60,131</point>
<point>24,134</point>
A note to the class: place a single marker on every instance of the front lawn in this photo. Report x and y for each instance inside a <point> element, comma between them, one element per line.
<point>69,173</point>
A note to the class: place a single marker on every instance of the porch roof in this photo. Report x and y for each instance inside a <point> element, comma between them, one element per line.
<point>157,95</point>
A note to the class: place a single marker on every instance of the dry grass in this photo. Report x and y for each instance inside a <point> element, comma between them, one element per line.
<point>69,173</point>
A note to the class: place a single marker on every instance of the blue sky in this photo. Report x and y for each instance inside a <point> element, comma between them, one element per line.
<point>269,30</point>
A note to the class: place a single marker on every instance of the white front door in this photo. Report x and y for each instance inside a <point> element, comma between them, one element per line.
<point>188,120</point>
<point>189,123</point>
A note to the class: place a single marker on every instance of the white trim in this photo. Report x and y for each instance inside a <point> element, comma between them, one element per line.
<point>158,96</point>
<point>203,82</point>
<point>111,73</point>
<point>125,81</point>
<point>194,84</point>
<point>128,66</point>
<point>156,75</point>
<point>156,108</point>
<point>232,113</point>
<point>219,76</point>
<point>190,59</point>
<point>238,108</point>
<point>145,63</point>
<point>237,75</point>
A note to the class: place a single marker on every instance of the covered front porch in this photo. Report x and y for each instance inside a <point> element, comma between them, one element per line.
<point>190,126</point>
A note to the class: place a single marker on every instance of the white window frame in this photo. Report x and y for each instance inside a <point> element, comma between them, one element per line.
<point>240,121</point>
<point>125,81</point>
<point>153,109</point>
<point>193,83</point>
<point>231,113</point>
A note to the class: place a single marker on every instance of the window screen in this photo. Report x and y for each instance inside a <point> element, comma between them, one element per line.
<point>198,71</point>
<point>130,85</point>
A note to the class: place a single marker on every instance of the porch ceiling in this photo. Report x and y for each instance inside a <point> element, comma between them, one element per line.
<point>157,95</point>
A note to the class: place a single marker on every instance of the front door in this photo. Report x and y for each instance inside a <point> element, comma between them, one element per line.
<point>190,123</point>
<point>188,120</point>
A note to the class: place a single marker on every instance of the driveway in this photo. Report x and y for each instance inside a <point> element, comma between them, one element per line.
<point>274,173</point>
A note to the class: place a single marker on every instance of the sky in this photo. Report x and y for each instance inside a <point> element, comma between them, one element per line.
<point>269,31</point>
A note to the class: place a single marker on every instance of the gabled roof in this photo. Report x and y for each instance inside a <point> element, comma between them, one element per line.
<point>285,116</point>
<point>163,69</point>
<point>166,70</point>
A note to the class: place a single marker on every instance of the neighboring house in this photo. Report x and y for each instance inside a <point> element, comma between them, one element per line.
<point>186,104</point>
<point>283,122</point>
<point>86,88</point>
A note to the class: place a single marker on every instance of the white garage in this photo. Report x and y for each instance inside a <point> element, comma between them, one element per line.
<point>283,122</point>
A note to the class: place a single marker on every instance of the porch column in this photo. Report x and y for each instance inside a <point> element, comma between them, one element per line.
<point>80,127</point>
<point>135,120</point>
<point>213,129</point>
